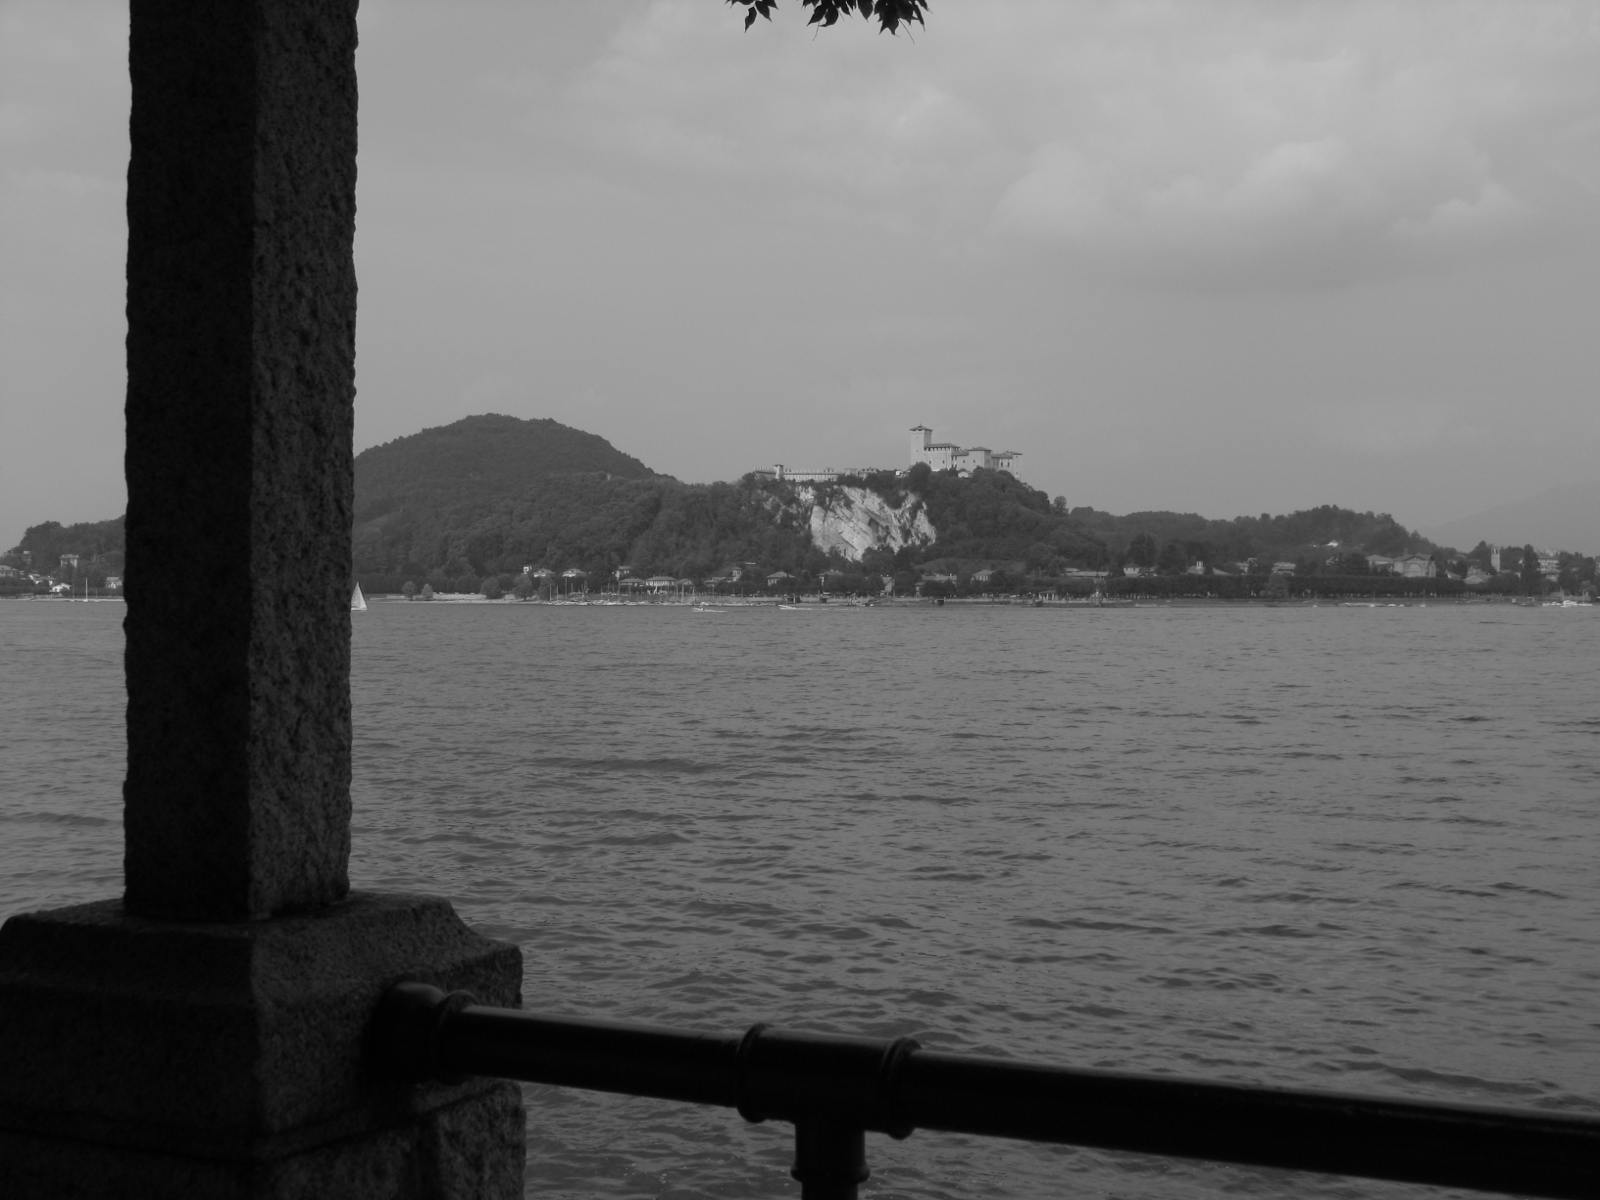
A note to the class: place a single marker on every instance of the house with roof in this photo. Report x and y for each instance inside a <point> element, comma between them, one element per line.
<point>1416,566</point>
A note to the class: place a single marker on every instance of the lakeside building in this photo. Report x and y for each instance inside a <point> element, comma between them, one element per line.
<point>1549,560</point>
<point>1409,566</point>
<point>1416,566</point>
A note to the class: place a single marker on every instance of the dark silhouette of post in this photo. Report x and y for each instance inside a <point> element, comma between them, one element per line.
<point>241,398</point>
<point>207,1035</point>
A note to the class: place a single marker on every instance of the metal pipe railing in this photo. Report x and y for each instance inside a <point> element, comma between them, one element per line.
<point>834,1089</point>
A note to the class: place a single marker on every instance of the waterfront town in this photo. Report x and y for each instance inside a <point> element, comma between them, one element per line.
<point>949,521</point>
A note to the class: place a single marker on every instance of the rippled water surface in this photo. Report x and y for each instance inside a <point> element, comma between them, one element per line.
<point>1320,847</point>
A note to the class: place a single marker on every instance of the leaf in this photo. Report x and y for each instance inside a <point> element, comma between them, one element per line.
<point>890,13</point>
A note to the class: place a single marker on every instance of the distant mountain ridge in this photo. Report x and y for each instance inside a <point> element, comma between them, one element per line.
<point>494,495</point>
<point>1560,518</point>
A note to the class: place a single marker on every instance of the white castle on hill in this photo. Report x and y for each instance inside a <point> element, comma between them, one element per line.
<point>941,456</point>
<point>947,456</point>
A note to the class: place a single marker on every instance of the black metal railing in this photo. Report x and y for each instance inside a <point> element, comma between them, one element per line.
<point>835,1089</point>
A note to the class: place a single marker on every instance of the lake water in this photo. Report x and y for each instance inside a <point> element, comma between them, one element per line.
<point>1344,848</point>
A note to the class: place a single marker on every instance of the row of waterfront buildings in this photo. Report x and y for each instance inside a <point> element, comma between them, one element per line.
<point>940,456</point>
<point>54,582</point>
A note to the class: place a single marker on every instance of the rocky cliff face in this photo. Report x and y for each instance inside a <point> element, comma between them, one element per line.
<point>853,520</point>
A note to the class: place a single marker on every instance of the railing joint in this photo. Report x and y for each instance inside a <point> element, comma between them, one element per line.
<point>895,1056</point>
<point>744,1092</point>
<point>409,1031</point>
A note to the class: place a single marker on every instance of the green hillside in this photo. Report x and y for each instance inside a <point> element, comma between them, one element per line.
<point>590,522</point>
<point>479,460</point>
<point>489,496</point>
<point>98,545</point>
<point>1314,533</point>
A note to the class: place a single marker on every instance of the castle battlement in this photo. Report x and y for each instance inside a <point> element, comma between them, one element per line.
<point>948,456</point>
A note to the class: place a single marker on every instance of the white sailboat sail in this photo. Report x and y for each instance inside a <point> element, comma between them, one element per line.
<point>358,602</point>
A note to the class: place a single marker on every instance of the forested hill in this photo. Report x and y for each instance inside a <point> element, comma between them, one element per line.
<point>479,459</point>
<point>489,496</point>
<point>1145,535</point>
<point>46,543</point>
<point>98,546</point>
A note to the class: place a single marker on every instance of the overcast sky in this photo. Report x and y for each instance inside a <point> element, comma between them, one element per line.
<point>1220,257</point>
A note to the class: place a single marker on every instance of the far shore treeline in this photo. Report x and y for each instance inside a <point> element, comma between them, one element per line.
<point>497,505</point>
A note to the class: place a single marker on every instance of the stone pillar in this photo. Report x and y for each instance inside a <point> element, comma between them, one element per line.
<point>241,396</point>
<point>206,1035</point>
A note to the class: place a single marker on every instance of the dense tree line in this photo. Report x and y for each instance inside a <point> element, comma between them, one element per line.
<point>1284,587</point>
<point>1160,539</point>
<point>995,534</point>
<point>99,545</point>
<point>472,505</point>
<point>47,542</point>
<point>487,496</point>
<point>595,524</point>
<point>993,516</point>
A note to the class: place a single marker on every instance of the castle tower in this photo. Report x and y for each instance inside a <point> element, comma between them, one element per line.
<point>919,445</point>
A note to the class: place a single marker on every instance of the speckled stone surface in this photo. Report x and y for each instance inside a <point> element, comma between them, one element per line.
<point>470,1149</point>
<point>240,409</point>
<point>241,1051</point>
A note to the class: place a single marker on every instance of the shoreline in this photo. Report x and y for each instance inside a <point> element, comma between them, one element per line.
<point>812,602</point>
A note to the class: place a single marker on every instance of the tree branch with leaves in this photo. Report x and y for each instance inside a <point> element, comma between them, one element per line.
<point>891,14</point>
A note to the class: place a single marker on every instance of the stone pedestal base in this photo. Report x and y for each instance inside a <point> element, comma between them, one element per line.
<point>157,1058</point>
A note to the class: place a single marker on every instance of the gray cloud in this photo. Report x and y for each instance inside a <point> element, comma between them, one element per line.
<point>1214,255</point>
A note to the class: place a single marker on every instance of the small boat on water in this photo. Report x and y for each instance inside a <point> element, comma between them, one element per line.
<point>358,602</point>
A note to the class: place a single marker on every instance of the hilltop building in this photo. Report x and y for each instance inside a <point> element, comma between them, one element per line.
<point>941,456</point>
<point>947,456</point>
<point>826,475</point>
